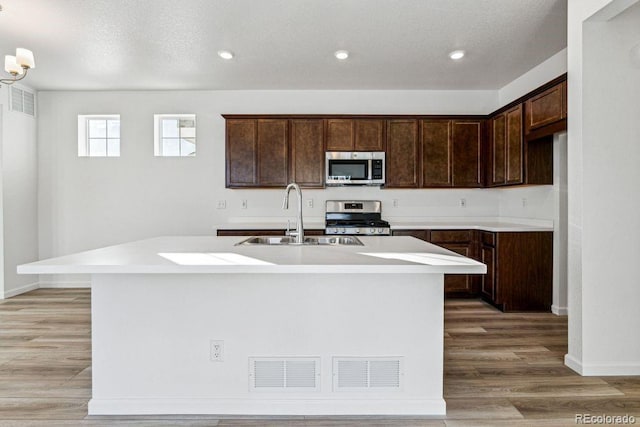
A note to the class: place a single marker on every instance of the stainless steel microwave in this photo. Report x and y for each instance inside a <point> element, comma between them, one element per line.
<point>354,168</point>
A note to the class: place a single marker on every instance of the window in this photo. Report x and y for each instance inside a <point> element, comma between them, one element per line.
<point>175,135</point>
<point>99,136</point>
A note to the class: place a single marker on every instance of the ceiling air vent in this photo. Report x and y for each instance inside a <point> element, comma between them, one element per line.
<point>284,374</point>
<point>23,101</point>
<point>367,373</point>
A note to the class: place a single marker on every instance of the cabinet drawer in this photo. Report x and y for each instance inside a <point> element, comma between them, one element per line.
<point>450,236</point>
<point>488,238</point>
<point>419,234</point>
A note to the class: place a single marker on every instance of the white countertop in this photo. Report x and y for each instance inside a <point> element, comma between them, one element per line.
<point>209,254</point>
<point>455,223</point>
<point>484,225</point>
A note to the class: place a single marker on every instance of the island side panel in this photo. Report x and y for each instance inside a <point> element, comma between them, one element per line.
<point>151,338</point>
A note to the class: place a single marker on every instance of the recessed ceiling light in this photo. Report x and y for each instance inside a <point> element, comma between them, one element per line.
<point>341,54</point>
<point>225,54</point>
<point>456,54</point>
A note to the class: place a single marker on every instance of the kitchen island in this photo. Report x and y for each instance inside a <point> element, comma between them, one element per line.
<point>200,325</point>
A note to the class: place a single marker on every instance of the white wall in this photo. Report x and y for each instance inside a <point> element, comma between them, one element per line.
<point>92,202</point>
<point>603,197</point>
<point>534,78</point>
<point>19,197</point>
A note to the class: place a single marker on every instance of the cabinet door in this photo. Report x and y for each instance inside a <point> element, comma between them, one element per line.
<point>458,283</point>
<point>467,140</point>
<point>369,135</point>
<point>514,146</point>
<point>339,135</point>
<point>546,108</point>
<point>272,153</point>
<point>307,152</point>
<point>488,288</point>
<point>436,153</point>
<point>402,158</point>
<point>241,153</point>
<point>498,149</point>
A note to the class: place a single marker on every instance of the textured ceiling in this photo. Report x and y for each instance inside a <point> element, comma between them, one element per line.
<point>281,44</point>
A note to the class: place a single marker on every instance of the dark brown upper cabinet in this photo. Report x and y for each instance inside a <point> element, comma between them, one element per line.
<point>340,135</point>
<point>505,156</point>
<point>467,146</point>
<point>241,153</point>
<point>451,153</point>
<point>257,153</point>
<point>273,159</point>
<point>307,152</point>
<point>369,135</point>
<point>546,111</point>
<point>436,153</point>
<point>512,146</point>
<point>402,156</point>
<point>515,169</point>
<point>355,135</point>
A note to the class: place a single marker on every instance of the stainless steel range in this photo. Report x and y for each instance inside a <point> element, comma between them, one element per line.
<point>355,217</point>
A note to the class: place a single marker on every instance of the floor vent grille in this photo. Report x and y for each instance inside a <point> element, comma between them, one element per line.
<point>367,373</point>
<point>284,374</point>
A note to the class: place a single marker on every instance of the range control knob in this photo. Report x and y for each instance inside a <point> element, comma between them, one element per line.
<point>357,230</point>
<point>343,231</point>
<point>380,230</point>
<point>372,231</point>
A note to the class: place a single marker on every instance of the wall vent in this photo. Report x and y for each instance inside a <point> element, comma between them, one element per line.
<point>22,101</point>
<point>367,373</point>
<point>284,374</point>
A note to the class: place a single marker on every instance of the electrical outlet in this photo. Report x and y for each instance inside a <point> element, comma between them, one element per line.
<point>244,203</point>
<point>222,204</point>
<point>463,203</point>
<point>309,203</point>
<point>217,350</point>
<point>524,202</point>
<point>396,202</point>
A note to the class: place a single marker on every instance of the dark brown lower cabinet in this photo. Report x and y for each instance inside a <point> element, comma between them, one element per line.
<point>519,270</point>
<point>519,266</point>
<point>459,241</point>
<point>487,281</point>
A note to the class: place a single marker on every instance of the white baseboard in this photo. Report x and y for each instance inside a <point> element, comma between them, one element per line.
<point>46,285</point>
<point>559,311</point>
<point>247,406</point>
<point>21,290</point>
<point>602,369</point>
<point>65,284</point>
<point>573,363</point>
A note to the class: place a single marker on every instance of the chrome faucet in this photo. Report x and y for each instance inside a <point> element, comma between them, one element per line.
<point>299,233</point>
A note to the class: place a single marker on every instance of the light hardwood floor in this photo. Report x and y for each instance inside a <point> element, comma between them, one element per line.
<point>500,370</point>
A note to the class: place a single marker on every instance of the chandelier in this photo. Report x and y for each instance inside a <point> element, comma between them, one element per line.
<point>18,65</point>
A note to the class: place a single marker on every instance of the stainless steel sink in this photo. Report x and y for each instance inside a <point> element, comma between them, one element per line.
<point>267,240</point>
<point>308,240</point>
<point>333,240</point>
